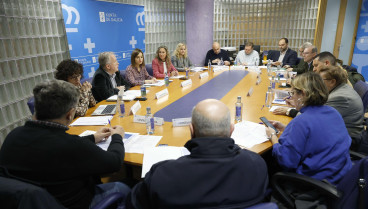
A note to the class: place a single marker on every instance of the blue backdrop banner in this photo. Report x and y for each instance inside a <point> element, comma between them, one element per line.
<point>93,27</point>
<point>360,55</point>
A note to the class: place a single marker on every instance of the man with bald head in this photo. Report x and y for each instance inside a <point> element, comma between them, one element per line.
<point>215,54</point>
<point>217,173</point>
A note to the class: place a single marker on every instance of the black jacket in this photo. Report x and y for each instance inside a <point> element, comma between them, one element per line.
<point>217,174</point>
<point>102,86</point>
<point>67,166</point>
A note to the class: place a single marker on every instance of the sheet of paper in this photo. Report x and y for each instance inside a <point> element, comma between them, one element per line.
<point>105,144</point>
<point>197,69</point>
<point>178,76</point>
<point>158,83</point>
<point>92,121</point>
<point>275,107</point>
<point>139,143</point>
<point>248,134</point>
<point>157,154</point>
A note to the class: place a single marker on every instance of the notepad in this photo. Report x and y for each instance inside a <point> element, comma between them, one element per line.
<point>248,134</point>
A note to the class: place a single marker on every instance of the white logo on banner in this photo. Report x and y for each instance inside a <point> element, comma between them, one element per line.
<point>89,45</point>
<point>70,47</point>
<point>139,20</point>
<point>133,42</point>
<point>70,11</point>
<point>102,16</point>
<point>90,74</point>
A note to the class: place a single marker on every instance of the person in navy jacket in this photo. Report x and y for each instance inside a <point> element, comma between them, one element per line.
<point>216,174</point>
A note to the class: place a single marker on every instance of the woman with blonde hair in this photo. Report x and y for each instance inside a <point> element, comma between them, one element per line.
<point>180,60</point>
<point>162,65</point>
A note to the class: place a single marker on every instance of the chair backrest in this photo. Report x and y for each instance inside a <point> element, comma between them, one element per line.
<point>31,104</point>
<point>257,48</point>
<point>349,185</point>
<point>362,89</point>
<point>149,69</point>
<point>18,194</point>
<point>241,47</point>
<point>267,205</point>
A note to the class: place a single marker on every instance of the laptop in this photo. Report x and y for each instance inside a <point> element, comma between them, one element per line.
<point>105,110</point>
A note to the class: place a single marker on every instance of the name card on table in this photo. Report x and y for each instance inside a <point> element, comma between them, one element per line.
<point>186,83</point>
<point>250,92</point>
<point>134,109</point>
<point>162,93</point>
<point>181,121</point>
<point>142,119</point>
<point>203,75</point>
<point>258,81</point>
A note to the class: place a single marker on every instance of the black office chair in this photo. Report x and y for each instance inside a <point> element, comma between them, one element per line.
<point>351,191</point>
<point>149,69</point>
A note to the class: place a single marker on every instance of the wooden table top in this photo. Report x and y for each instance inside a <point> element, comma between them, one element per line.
<point>178,136</point>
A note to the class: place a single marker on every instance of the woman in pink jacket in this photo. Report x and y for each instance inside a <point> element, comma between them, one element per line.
<point>163,57</point>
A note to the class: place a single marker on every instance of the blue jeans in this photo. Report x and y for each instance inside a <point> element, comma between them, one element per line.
<point>103,190</point>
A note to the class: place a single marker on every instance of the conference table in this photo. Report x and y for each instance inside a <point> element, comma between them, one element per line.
<point>253,108</point>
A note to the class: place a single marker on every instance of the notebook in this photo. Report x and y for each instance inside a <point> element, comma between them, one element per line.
<point>105,110</point>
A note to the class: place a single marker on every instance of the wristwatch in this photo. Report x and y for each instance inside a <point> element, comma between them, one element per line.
<point>288,111</point>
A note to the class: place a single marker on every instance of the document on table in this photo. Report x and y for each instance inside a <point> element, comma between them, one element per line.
<point>158,83</point>
<point>92,121</point>
<point>275,107</point>
<point>197,69</point>
<point>105,144</point>
<point>178,76</point>
<point>248,134</point>
<point>138,143</point>
<point>279,96</point>
<point>127,96</point>
<point>157,154</point>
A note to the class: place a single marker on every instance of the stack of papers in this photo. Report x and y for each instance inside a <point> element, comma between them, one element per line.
<point>216,67</point>
<point>279,97</point>
<point>248,134</point>
<point>127,96</point>
<point>92,121</point>
<point>237,67</point>
<point>178,76</point>
<point>158,154</point>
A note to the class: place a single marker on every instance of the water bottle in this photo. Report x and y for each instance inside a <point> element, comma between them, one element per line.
<point>209,65</point>
<point>150,122</point>
<point>120,106</point>
<point>166,80</point>
<point>269,71</point>
<point>278,78</point>
<point>269,97</point>
<point>143,91</point>
<point>238,110</point>
<point>235,63</point>
<point>221,62</point>
<point>273,83</point>
<point>187,73</point>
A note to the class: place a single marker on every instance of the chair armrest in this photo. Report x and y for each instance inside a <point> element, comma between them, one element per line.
<point>323,188</point>
<point>109,200</point>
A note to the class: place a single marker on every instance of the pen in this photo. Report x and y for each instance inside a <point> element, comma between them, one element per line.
<point>109,122</point>
<point>262,107</point>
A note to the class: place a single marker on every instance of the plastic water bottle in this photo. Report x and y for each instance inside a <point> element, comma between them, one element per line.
<point>167,82</point>
<point>120,106</point>
<point>235,63</point>
<point>238,110</point>
<point>209,65</point>
<point>150,122</point>
<point>273,83</point>
<point>269,71</point>
<point>221,62</point>
<point>269,97</point>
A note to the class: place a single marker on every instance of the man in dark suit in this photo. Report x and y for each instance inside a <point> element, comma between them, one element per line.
<point>216,174</point>
<point>107,80</point>
<point>284,56</point>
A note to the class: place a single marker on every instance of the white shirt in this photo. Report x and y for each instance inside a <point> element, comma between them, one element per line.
<point>282,55</point>
<point>249,59</point>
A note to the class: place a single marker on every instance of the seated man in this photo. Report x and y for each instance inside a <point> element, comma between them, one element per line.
<point>307,64</point>
<point>285,56</point>
<point>67,166</point>
<point>248,56</point>
<point>217,173</point>
<point>216,54</point>
<point>107,80</point>
<point>328,59</point>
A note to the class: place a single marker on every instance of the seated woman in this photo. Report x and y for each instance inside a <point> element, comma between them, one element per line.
<point>72,71</point>
<point>180,60</point>
<point>315,143</point>
<point>136,72</point>
<point>162,56</point>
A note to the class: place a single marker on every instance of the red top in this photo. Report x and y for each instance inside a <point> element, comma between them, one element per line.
<point>158,68</point>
